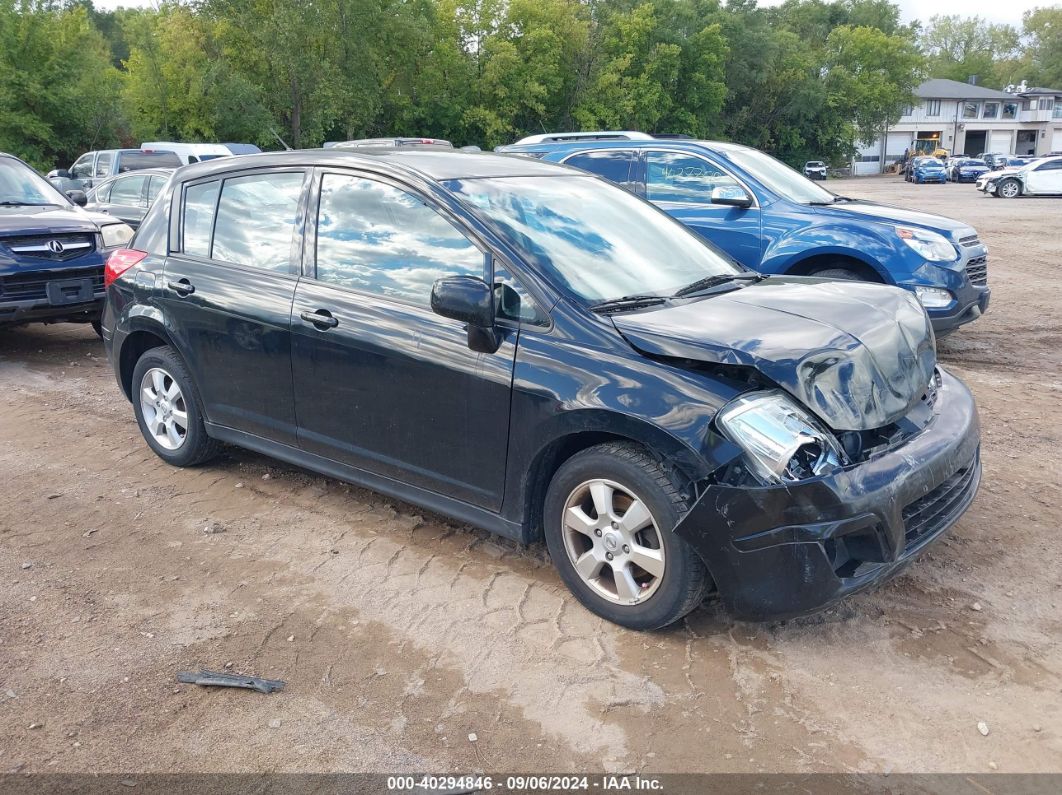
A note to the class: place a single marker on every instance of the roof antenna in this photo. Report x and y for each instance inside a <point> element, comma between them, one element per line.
<point>282,141</point>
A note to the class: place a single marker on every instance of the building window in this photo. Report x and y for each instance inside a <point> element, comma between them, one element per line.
<point>1058,111</point>
<point>1047,103</point>
<point>908,110</point>
<point>969,110</point>
<point>991,110</point>
<point>933,107</point>
<point>1010,110</point>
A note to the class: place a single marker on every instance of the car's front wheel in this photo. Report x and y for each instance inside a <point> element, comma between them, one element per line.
<point>168,411</point>
<point>1009,189</point>
<point>610,512</point>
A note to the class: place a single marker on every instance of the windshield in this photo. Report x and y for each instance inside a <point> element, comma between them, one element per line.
<point>972,162</point>
<point>21,185</point>
<point>595,240</point>
<point>776,176</point>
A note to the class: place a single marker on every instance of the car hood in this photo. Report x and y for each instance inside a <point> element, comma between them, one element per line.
<point>858,355</point>
<point>886,213</point>
<point>46,220</point>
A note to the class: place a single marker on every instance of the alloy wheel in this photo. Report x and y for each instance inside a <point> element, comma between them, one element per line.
<point>164,409</point>
<point>613,541</point>
<point>1009,189</point>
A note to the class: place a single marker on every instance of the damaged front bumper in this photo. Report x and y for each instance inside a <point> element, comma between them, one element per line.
<point>782,551</point>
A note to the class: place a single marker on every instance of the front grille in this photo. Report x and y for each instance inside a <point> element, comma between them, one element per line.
<point>55,248</point>
<point>929,514</point>
<point>977,269</point>
<point>969,241</point>
<point>33,285</point>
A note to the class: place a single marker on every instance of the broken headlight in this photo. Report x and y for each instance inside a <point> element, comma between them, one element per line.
<point>782,442</point>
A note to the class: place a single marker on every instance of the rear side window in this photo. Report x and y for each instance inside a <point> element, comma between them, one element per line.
<point>256,221</point>
<point>375,238</point>
<point>678,177</point>
<point>199,203</point>
<point>154,186</point>
<point>613,165</point>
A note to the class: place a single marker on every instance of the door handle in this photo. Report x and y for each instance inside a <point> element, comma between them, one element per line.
<point>182,287</point>
<point>322,319</point>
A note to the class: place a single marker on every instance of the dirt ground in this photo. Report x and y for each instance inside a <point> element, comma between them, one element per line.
<point>401,634</point>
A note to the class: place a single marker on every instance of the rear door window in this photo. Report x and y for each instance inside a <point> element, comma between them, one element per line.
<point>612,164</point>
<point>256,218</point>
<point>127,191</point>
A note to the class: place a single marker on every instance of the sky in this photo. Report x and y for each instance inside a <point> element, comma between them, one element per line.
<point>993,10</point>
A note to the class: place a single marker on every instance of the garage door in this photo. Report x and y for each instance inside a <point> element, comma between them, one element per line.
<point>1000,142</point>
<point>1056,141</point>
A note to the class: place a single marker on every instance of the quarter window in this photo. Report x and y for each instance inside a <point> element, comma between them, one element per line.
<point>375,238</point>
<point>154,186</point>
<point>613,165</point>
<point>127,190</point>
<point>199,204</point>
<point>677,177</point>
<point>256,221</point>
<point>511,300</point>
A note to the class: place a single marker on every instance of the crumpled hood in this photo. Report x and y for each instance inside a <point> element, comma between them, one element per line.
<point>886,213</point>
<point>859,355</point>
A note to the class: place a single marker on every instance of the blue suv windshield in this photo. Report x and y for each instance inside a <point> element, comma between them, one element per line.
<point>777,177</point>
<point>21,186</point>
<point>597,240</point>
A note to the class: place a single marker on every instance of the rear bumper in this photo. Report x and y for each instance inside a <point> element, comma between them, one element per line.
<point>778,552</point>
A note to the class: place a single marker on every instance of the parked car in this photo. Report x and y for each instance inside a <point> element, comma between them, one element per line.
<point>772,219</point>
<point>599,376</point>
<point>815,169</point>
<point>1041,177</point>
<point>990,158</point>
<point>94,167</point>
<point>968,169</point>
<point>188,153</point>
<point>128,196</point>
<point>927,169</point>
<point>51,251</point>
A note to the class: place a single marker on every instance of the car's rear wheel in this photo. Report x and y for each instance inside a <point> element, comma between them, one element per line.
<point>168,411</point>
<point>610,512</point>
<point>1009,189</point>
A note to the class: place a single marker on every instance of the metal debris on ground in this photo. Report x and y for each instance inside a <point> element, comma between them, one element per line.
<point>219,679</point>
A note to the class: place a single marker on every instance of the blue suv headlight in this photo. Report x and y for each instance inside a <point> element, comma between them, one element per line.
<point>930,245</point>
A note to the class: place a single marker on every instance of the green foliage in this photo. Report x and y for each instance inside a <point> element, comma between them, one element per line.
<point>803,80</point>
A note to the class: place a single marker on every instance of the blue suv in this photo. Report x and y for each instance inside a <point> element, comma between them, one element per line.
<point>772,219</point>
<point>51,251</point>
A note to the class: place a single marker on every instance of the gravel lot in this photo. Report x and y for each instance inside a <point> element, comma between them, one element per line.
<point>400,634</point>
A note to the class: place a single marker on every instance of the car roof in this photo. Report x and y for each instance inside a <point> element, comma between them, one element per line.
<point>590,135</point>
<point>434,164</point>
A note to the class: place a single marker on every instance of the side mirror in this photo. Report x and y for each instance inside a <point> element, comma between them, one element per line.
<point>471,301</point>
<point>731,196</point>
<point>78,197</point>
<point>58,172</point>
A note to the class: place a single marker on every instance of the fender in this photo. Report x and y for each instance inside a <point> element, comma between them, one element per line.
<point>861,244</point>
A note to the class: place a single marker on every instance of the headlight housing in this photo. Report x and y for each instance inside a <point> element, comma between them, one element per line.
<point>930,245</point>
<point>115,235</point>
<point>782,442</point>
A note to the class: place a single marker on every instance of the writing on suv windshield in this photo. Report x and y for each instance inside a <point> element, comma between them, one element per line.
<point>597,241</point>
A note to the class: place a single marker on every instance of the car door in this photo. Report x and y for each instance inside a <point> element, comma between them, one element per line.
<point>681,184</point>
<point>81,171</point>
<point>124,198</point>
<point>1045,178</point>
<point>381,382</point>
<point>229,284</point>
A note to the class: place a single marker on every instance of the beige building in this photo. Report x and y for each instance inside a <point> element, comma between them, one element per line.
<point>969,119</point>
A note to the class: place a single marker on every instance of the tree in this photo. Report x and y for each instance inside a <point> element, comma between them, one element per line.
<point>1043,29</point>
<point>959,48</point>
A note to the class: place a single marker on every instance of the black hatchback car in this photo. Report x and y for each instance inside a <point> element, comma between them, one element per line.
<point>529,349</point>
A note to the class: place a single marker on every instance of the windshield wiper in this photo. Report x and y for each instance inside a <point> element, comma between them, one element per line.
<point>628,302</point>
<point>27,204</point>
<point>714,281</point>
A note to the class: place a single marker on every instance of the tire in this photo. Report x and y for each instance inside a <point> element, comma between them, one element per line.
<point>157,373</point>
<point>618,475</point>
<point>838,273</point>
<point>1009,189</point>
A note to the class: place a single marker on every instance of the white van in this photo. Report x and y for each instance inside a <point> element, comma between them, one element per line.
<point>188,153</point>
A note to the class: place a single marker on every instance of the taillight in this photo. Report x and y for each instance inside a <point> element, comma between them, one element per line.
<point>119,262</point>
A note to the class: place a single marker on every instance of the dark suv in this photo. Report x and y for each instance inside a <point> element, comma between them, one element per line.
<point>532,350</point>
<point>51,252</point>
